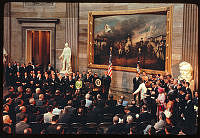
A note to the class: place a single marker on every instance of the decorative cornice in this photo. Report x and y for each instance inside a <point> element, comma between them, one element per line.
<point>38,20</point>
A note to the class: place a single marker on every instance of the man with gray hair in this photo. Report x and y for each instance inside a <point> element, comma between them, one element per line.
<point>129,125</point>
<point>87,99</point>
<point>65,116</point>
<point>37,93</point>
<point>116,127</point>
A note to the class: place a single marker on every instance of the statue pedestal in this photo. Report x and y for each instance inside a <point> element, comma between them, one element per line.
<point>63,72</point>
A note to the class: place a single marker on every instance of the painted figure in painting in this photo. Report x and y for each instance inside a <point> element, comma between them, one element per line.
<point>137,37</point>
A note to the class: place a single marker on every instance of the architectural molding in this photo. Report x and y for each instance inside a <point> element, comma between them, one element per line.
<point>38,20</point>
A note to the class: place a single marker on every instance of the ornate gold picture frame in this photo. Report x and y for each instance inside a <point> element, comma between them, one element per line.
<point>136,36</point>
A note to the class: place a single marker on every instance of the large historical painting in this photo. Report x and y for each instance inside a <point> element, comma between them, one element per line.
<point>135,38</point>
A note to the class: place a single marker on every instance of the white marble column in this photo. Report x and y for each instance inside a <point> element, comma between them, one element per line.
<point>71,31</point>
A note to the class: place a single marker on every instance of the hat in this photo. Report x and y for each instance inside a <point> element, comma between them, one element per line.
<point>160,89</point>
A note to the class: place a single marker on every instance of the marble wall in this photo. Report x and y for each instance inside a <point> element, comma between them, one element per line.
<point>43,11</point>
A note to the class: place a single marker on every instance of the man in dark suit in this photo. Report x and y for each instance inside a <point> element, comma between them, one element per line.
<point>65,116</point>
<point>136,82</point>
<point>128,112</point>
<point>128,124</point>
<point>53,84</point>
<point>119,108</point>
<point>195,99</point>
<point>188,90</point>
<point>52,129</point>
<point>33,82</point>
<point>37,68</point>
<point>90,74</point>
<point>99,105</point>
<point>18,80</point>
<point>14,65</point>
<point>189,115</point>
<point>18,115</point>
<point>144,115</point>
<point>110,105</point>
<point>9,75</point>
<point>71,84</point>
<point>46,81</point>
<point>22,69</point>
<point>106,84</point>
<point>49,69</point>
<point>92,115</point>
<point>115,128</point>
<point>29,68</point>
<point>134,109</point>
<point>87,83</point>
<point>16,68</point>
<point>22,124</point>
<point>39,81</point>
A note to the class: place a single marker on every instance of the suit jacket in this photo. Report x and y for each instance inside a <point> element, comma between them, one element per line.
<point>99,106</point>
<point>9,70</point>
<point>53,82</point>
<point>92,117</point>
<point>119,109</point>
<point>136,83</point>
<point>188,90</point>
<point>145,116</point>
<point>49,69</point>
<point>88,80</point>
<point>115,129</point>
<point>134,109</point>
<point>18,79</point>
<point>106,82</point>
<point>65,118</point>
<point>125,117</point>
<point>29,68</point>
<point>22,70</point>
<point>26,80</point>
<point>39,102</point>
<point>195,101</point>
<point>31,110</point>
<point>112,103</point>
<point>52,129</point>
<point>46,81</point>
<point>16,69</point>
<point>39,81</point>
<point>126,128</point>
<point>72,83</point>
<point>189,112</point>
<point>20,127</point>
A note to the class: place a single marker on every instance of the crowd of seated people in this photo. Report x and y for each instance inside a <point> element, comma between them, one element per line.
<point>45,102</point>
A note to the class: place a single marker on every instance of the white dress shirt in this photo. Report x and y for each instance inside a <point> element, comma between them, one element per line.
<point>143,90</point>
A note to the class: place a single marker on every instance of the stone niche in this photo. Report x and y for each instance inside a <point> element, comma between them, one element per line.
<point>47,24</point>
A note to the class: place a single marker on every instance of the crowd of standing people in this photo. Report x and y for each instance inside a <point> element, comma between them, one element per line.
<point>46,102</point>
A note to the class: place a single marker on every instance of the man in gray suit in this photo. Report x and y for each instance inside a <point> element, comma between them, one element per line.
<point>22,124</point>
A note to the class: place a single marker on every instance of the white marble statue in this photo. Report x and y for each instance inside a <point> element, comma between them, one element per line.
<point>66,58</point>
<point>4,55</point>
<point>185,71</point>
